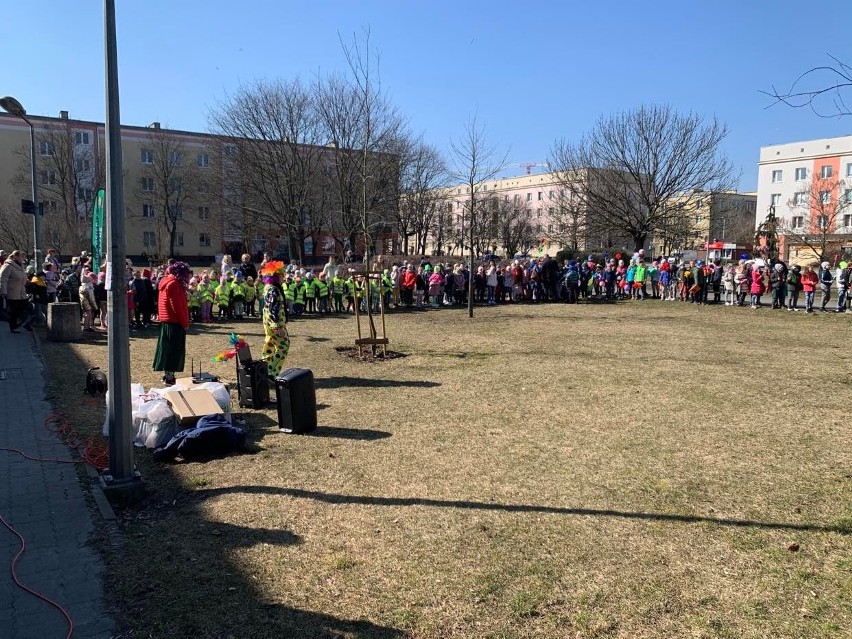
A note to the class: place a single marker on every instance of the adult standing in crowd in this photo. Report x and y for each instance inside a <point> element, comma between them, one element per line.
<point>13,289</point>
<point>247,268</point>
<point>173,313</point>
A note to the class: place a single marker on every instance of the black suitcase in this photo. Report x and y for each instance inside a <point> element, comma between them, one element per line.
<point>253,384</point>
<point>297,400</point>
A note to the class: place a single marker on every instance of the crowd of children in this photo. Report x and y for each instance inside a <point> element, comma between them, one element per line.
<point>228,292</point>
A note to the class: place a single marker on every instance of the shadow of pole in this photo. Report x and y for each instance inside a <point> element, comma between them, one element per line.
<point>368,500</point>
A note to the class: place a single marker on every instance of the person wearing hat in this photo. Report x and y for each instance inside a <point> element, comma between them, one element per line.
<point>794,285</point>
<point>143,298</point>
<point>173,312</point>
<point>810,281</point>
<point>825,281</point>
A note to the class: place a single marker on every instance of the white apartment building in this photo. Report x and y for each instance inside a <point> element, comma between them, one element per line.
<point>809,187</point>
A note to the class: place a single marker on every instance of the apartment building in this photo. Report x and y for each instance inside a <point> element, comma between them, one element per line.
<point>808,187</point>
<point>183,194</point>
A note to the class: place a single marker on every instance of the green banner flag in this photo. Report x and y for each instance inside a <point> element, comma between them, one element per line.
<point>98,230</point>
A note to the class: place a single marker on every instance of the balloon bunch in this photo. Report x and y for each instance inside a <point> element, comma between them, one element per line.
<point>237,343</point>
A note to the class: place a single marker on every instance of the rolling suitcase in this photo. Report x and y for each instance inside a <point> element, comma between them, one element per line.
<point>252,384</point>
<point>297,400</point>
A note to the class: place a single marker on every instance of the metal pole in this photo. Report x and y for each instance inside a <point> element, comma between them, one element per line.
<point>37,213</point>
<point>120,416</point>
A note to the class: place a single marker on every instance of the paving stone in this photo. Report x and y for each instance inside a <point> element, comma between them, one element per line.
<point>44,501</point>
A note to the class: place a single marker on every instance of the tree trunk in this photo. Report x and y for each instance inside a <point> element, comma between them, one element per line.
<point>639,240</point>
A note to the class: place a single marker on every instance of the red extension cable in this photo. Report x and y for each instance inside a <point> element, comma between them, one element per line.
<point>93,452</point>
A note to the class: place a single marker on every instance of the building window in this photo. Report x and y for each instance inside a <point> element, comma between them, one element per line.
<point>529,197</point>
<point>825,197</point>
<point>48,177</point>
<point>801,173</point>
<point>797,221</point>
<point>176,158</point>
<point>550,228</point>
<point>84,194</point>
<point>847,221</point>
<point>826,171</point>
<point>203,239</point>
<point>148,184</point>
<point>203,160</point>
<point>47,207</point>
<point>517,197</point>
<point>505,198</point>
<point>799,199</point>
<point>46,148</point>
<point>147,210</point>
<point>179,238</point>
<point>485,188</point>
<point>449,207</point>
<point>775,199</point>
<point>177,212</point>
<point>822,222</point>
<point>698,219</point>
<point>849,169</point>
<point>81,137</point>
<point>540,196</point>
<point>847,195</point>
<point>231,150</point>
<point>538,212</point>
<point>203,213</point>
<point>550,194</point>
<point>147,156</point>
<point>149,239</point>
<point>82,166</point>
<point>777,176</point>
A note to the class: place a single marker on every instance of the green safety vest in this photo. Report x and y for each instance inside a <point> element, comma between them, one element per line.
<point>337,284</point>
<point>290,291</point>
<point>299,292</point>
<point>310,287</point>
<point>321,289</point>
<point>223,293</point>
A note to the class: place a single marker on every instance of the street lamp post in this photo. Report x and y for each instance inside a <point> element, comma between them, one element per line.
<point>13,107</point>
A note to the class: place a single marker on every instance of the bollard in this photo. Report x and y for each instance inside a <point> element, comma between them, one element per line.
<point>63,322</point>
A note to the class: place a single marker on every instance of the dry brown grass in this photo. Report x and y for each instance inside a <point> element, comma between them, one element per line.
<point>637,470</point>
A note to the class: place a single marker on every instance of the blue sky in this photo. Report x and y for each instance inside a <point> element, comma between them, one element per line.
<point>532,72</point>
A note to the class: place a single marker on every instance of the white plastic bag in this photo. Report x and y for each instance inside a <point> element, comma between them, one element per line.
<point>136,393</point>
<point>155,424</point>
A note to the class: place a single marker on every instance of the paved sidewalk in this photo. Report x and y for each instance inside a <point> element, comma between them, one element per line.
<point>45,503</point>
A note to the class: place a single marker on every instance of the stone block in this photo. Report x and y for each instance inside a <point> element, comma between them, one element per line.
<point>63,322</point>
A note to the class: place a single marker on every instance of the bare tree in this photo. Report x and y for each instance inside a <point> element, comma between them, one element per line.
<point>515,230</point>
<point>16,228</point>
<point>817,213</point>
<point>475,161</point>
<point>69,177</point>
<point>422,173</point>
<point>821,89</point>
<point>171,181</point>
<point>274,130</point>
<point>633,163</point>
<point>568,219</point>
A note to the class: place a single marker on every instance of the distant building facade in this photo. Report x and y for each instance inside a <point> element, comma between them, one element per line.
<point>808,187</point>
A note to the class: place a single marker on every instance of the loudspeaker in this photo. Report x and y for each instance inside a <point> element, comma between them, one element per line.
<point>253,384</point>
<point>297,400</point>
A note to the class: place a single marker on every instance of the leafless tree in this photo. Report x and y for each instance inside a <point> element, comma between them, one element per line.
<point>171,182</point>
<point>515,230</point>
<point>568,220</point>
<point>422,173</point>
<point>275,155</point>
<point>69,177</point>
<point>16,228</point>
<point>474,161</point>
<point>816,219</point>
<point>821,89</point>
<point>633,163</point>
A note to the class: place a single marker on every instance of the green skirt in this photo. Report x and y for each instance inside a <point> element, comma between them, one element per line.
<point>171,348</point>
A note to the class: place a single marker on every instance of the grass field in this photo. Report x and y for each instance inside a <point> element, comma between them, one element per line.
<point>634,470</point>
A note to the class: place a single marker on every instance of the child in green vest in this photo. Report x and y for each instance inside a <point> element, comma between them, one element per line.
<point>223,298</point>
<point>238,295</point>
<point>310,293</point>
<point>322,289</point>
<point>194,300</point>
<point>251,296</point>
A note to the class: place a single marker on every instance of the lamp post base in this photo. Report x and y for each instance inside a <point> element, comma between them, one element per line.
<point>123,492</point>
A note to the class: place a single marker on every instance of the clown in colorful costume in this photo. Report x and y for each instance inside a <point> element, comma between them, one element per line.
<point>277,343</point>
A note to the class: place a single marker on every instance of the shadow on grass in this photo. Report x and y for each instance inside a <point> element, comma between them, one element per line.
<point>368,500</point>
<point>364,382</point>
<point>342,432</point>
<point>177,572</point>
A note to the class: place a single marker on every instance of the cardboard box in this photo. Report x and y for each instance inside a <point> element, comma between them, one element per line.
<point>190,405</point>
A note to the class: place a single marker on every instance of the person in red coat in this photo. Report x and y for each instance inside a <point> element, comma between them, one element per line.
<point>407,284</point>
<point>173,313</point>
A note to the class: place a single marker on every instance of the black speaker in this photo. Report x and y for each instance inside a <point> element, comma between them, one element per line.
<point>297,400</point>
<point>253,384</point>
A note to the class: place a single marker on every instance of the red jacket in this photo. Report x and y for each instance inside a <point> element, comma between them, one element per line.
<point>809,281</point>
<point>409,279</point>
<point>172,305</point>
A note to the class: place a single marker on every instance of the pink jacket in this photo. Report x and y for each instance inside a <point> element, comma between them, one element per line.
<point>435,282</point>
<point>757,283</point>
